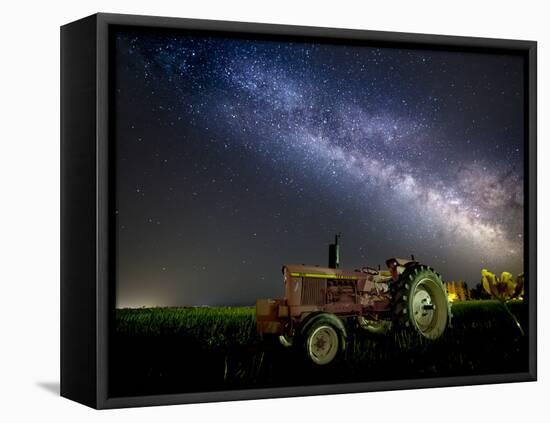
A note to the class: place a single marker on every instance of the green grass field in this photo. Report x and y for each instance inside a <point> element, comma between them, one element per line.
<point>169,350</point>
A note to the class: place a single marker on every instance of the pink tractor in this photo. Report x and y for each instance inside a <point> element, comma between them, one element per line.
<point>319,300</point>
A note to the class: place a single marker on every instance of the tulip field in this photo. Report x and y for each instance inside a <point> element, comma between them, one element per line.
<point>171,350</point>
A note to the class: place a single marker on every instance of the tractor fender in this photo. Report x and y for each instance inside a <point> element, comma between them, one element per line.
<point>310,319</point>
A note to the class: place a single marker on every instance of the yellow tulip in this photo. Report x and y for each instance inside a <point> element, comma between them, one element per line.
<point>488,280</point>
<point>503,288</point>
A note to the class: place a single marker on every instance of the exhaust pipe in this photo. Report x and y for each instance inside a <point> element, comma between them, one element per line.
<point>334,253</point>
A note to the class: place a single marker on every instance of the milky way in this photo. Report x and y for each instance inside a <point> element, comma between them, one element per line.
<point>236,156</point>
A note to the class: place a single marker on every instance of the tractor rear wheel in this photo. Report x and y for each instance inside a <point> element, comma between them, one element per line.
<point>420,302</point>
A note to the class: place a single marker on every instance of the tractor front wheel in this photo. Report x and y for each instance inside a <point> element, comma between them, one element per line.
<point>324,339</point>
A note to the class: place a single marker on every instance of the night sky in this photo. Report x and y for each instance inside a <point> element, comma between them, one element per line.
<point>237,156</point>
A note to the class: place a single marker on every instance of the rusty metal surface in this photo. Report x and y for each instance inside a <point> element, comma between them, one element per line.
<point>267,315</point>
<point>324,271</point>
<point>314,291</point>
<point>310,289</point>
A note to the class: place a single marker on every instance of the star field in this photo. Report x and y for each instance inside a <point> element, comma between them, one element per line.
<point>236,156</point>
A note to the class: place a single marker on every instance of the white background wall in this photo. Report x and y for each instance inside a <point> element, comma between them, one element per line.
<point>29,212</point>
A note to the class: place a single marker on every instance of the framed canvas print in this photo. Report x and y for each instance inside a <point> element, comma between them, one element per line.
<point>254,211</point>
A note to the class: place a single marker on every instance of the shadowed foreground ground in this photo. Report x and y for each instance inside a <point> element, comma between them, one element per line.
<point>176,350</point>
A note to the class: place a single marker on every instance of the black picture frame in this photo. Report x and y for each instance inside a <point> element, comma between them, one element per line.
<point>86,227</point>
